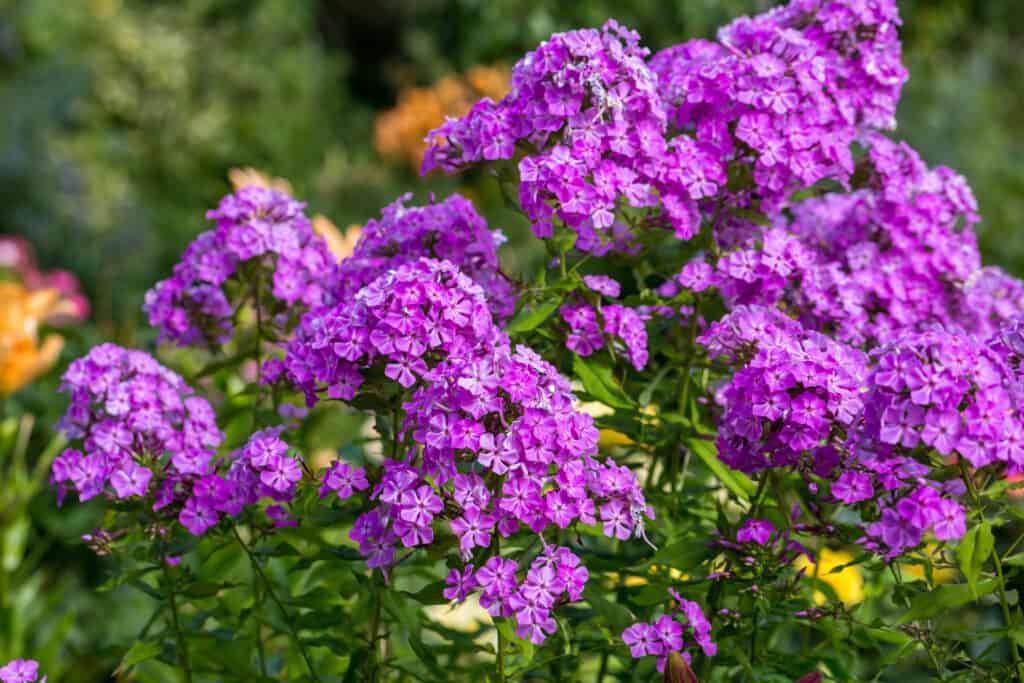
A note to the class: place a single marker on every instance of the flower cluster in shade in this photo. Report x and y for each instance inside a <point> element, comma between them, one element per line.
<point>668,633</point>
<point>255,225</point>
<point>141,433</point>
<point>449,230</point>
<point>490,440</point>
<point>21,671</point>
<point>590,328</point>
<point>794,393</point>
<point>889,258</point>
<point>940,390</point>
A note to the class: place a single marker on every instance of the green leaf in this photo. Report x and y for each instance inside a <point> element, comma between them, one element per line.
<point>618,617</point>
<point>600,384</point>
<point>737,482</point>
<point>944,598</point>
<point>972,551</point>
<point>529,318</point>
<point>1016,560</point>
<point>141,651</point>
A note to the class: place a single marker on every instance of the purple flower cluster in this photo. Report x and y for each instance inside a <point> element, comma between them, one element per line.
<point>133,418</point>
<point>407,321</point>
<point>776,103</point>
<point>21,671</point>
<point>946,391</point>
<point>255,225</point>
<point>500,447</point>
<point>585,106</point>
<point>938,390</point>
<point>449,230</point>
<point>496,442</point>
<point>260,469</point>
<point>795,394</point>
<point>664,636</point>
<point>890,258</point>
<point>553,578</point>
<point>142,432</point>
<point>622,325</point>
<point>990,298</point>
<point>783,95</point>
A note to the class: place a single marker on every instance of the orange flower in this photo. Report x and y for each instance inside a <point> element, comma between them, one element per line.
<point>251,177</point>
<point>22,356</point>
<point>399,133</point>
<point>341,244</point>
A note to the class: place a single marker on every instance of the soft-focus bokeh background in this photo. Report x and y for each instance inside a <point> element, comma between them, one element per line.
<point>120,119</point>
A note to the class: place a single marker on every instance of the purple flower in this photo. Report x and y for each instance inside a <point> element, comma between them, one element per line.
<point>460,583</point>
<point>643,639</point>
<point>602,284</point>
<point>853,487</point>
<point>755,531</point>
<point>21,671</point>
<point>344,479</point>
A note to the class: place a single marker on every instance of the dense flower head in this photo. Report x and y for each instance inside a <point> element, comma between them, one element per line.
<point>258,225</point>
<point>946,393</point>
<point>890,258</point>
<point>449,230</point>
<point>407,320</point>
<point>499,448</point>
<point>586,107</point>
<point>989,299</point>
<point>21,671</point>
<point>666,635</point>
<point>795,394</point>
<point>130,415</point>
<point>781,95</point>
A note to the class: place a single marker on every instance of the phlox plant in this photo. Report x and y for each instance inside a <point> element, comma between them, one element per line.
<point>762,336</point>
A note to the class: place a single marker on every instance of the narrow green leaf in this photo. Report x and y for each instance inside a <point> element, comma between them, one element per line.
<point>944,598</point>
<point>600,384</point>
<point>529,318</point>
<point>141,651</point>
<point>972,551</point>
<point>737,482</point>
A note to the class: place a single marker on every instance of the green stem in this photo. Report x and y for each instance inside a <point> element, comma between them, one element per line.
<point>273,597</point>
<point>374,627</point>
<point>1018,665</point>
<point>501,638</point>
<point>182,643</point>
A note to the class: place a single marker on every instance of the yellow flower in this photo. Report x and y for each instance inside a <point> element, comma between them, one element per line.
<point>944,575</point>
<point>848,583</point>
<point>22,356</point>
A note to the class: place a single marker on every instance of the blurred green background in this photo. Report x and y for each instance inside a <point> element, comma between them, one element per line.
<point>119,120</point>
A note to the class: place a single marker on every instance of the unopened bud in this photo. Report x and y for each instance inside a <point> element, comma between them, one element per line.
<point>677,670</point>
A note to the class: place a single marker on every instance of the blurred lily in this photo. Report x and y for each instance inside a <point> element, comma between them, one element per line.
<point>23,355</point>
<point>399,133</point>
